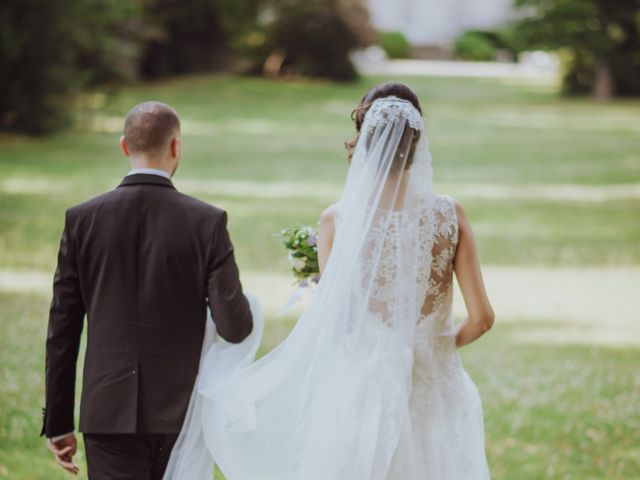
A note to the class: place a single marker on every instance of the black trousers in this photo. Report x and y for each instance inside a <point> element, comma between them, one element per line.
<point>128,456</point>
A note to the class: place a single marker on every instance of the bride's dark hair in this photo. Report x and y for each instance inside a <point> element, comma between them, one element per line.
<point>389,89</point>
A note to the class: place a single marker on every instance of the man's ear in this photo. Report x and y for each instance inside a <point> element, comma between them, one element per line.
<point>124,146</point>
<point>175,147</point>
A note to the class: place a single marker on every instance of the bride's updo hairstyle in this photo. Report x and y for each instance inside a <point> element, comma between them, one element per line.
<point>392,89</point>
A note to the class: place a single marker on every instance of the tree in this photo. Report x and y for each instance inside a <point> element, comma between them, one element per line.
<point>194,35</point>
<point>49,50</point>
<point>315,37</point>
<point>600,40</point>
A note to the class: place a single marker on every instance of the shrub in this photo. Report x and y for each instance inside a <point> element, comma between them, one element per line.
<point>395,44</point>
<point>476,46</point>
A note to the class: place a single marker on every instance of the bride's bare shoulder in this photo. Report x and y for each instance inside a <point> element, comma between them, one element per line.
<point>447,201</point>
<point>329,214</point>
<point>461,217</point>
<point>459,209</point>
<point>326,233</point>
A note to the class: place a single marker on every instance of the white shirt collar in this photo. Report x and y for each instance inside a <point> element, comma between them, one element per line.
<point>149,171</point>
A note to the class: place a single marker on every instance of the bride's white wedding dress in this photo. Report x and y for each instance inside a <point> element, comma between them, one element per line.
<point>369,384</point>
<point>445,435</point>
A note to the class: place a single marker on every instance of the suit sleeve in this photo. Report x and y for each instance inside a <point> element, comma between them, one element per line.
<point>66,319</point>
<point>229,307</point>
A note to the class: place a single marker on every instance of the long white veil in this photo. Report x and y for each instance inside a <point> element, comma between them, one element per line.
<point>331,402</point>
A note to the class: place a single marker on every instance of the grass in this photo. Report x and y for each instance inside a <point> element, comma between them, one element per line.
<point>550,184</point>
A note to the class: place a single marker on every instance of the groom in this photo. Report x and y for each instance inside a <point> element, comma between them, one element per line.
<point>142,262</point>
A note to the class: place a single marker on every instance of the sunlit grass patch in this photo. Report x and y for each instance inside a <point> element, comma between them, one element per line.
<point>557,411</point>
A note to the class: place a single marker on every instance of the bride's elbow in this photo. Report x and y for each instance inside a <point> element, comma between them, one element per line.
<point>485,320</point>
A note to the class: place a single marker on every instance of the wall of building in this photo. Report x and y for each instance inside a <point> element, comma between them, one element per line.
<point>437,22</point>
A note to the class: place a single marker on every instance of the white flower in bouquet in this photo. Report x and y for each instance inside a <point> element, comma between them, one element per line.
<point>298,263</point>
<point>302,252</point>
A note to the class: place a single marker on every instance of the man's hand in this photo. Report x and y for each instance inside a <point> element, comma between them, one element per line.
<point>63,451</point>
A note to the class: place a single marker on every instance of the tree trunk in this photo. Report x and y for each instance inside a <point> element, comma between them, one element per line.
<point>603,87</point>
<point>273,64</point>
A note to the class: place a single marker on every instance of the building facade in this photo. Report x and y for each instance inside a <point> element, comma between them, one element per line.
<point>437,23</point>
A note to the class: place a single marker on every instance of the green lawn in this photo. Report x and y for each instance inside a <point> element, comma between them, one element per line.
<point>549,184</point>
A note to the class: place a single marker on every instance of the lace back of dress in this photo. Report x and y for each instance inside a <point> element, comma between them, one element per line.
<point>393,273</point>
<point>438,298</point>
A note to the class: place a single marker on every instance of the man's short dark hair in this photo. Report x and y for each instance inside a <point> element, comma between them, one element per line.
<point>149,127</point>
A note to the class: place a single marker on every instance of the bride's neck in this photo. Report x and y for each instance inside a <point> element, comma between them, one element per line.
<point>394,191</point>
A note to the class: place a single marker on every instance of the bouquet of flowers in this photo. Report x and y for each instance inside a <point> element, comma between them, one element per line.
<point>302,249</point>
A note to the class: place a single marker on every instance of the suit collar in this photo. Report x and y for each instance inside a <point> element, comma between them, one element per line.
<point>145,179</point>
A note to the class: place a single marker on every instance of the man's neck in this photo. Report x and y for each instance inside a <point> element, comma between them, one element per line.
<point>150,162</point>
<point>149,171</point>
<point>145,163</point>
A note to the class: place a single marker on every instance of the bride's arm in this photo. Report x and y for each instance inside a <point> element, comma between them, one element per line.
<point>467,268</point>
<point>325,237</point>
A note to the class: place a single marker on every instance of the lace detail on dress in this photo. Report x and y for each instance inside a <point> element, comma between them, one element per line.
<point>440,409</point>
<point>446,412</point>
<point>403,231</point>
<point>439,293</point>
<point>407,279</point>
<point>408,231</point>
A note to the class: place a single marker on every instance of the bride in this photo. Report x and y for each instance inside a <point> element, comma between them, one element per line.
<point>369,384</point>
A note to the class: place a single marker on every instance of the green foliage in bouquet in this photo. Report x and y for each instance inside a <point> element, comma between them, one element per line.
<point>302,249</point>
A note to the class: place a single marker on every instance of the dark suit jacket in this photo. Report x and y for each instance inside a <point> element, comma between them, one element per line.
<point>141,262</point>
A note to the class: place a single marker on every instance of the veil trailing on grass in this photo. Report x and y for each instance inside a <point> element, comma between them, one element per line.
<point>332,401</point>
